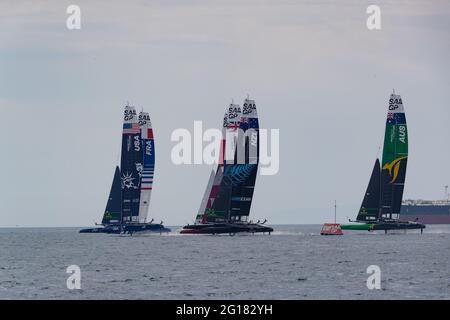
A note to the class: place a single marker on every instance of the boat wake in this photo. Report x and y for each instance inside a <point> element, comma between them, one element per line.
<point>290,233</point>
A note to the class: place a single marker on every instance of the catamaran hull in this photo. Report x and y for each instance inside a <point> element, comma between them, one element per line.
<point>384,226</point>
<point>92,230</point>
<point>129,229</point>
<point>225,228</point>
<point>145,228</point>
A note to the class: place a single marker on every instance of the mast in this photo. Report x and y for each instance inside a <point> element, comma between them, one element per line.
<point>335,209</point>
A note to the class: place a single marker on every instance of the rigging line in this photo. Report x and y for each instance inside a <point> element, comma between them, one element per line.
<point>378,151</point>
<point>380,144</point>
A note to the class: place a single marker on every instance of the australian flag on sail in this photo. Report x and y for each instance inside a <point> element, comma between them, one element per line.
<point>400,118</point>
<point>131,128</point>
<point>390,118</point>
<point>396,118</point>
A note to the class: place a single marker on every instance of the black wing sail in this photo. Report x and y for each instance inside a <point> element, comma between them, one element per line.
<point>114,205</point>
<point>250,125</point>
<point>370,206</point>
<point>131,166</point>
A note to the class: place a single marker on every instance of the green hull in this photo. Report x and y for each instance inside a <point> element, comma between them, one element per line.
<point>361,226</point>
<point>383,226</point>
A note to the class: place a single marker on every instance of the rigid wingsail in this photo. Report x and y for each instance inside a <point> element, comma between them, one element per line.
<point>380,208</point>
<point>225,207</point>
<point>129,199</point>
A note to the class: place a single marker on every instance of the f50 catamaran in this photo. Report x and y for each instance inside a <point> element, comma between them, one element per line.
<point>380,209</point>
<point>128,203</point>
<point>225,207</point>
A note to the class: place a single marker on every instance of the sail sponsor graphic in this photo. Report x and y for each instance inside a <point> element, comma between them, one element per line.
<point>394,168</point>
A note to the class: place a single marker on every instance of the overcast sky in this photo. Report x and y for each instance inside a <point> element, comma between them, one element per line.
<point>316,72</point>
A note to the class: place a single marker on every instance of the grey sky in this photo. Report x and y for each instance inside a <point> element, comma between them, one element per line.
<point>316,72</point>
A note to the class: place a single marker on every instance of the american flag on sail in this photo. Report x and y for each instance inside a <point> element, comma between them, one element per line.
<point>131,128</point>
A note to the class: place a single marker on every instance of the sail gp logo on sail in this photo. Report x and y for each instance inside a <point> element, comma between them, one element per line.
<point>129,114</point>
<point>395,104</point>
<point>238,146</point>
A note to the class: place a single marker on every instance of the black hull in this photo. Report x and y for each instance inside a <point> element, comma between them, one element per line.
<point>129,229</point>
<point>398,226</point>
<point>92,230</point>
<point>221,228</point>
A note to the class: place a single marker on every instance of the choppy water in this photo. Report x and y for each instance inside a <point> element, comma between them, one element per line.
<point>293,263</point>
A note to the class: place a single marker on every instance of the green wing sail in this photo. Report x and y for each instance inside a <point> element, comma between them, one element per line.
<point>394,161</point>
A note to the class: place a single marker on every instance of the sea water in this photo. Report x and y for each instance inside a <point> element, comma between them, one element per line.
<point>295,262</point>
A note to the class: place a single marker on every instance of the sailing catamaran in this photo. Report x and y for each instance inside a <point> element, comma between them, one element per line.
<point>380,209</point>
<point>225,206</point>
<point>128,203</point>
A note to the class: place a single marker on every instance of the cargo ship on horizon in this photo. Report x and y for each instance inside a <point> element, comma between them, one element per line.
<point>426,211</point>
